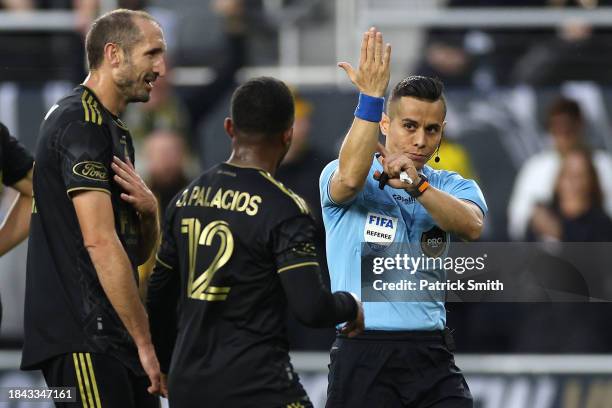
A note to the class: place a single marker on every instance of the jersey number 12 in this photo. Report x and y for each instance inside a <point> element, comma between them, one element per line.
<point>199,287</point>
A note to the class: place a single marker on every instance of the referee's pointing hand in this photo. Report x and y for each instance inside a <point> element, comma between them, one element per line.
<point>393,164</point>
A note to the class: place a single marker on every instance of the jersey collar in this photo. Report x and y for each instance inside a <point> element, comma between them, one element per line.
<point>92,93</point>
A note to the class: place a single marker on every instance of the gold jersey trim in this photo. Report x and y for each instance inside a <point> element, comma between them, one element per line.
<point>93,380</point>
<point>240,166</point>
<point>298,265</point>
<point>90,106</point>
<point>163,263</point>
<point>77,370</point>
<point>299,201</point>
<point>71,190</point>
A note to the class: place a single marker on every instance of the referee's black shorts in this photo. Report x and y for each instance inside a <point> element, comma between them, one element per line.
<point>100,381</point>
<point>396,370</point>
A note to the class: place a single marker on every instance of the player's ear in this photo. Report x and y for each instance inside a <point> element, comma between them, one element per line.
<point>228,125</point>
<point>113,54</point>
<point>384,124</point>
<point>288,136</point>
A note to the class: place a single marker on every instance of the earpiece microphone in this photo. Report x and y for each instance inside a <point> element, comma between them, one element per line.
<point>437,158</point>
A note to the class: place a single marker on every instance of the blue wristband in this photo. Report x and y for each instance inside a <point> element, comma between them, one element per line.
<point>370,108</point>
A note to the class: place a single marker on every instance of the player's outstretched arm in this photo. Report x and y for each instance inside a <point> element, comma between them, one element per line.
<point>298,269</point>
<point>95,214</point>
<point>314,305</point>
<point>16,225</point>
<point>143,200</point>
<point>371,79</point>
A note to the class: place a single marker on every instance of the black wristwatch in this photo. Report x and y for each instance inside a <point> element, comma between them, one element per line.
<point>420,188</point>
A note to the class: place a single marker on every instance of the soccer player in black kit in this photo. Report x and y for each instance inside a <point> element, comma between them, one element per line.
<point>93,222</point>
<point>237,247</point>
<point>16,172</point>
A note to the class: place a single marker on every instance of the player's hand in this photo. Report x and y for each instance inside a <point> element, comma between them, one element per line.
<point>355,327</point>
<point>136,191</point>
<point>393,165</point>
<point>164,385</point>
<point>372,75</point>
<point>150,364</point>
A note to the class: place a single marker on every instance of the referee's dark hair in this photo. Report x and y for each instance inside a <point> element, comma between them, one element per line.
<point>419,87</point>
<point>116,27</point>
<point>262,106</point>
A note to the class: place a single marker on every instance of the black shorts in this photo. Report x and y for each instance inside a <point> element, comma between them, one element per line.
<point>396,369</point>
<point>100,381</point>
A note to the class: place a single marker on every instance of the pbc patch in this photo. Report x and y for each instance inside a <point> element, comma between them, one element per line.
<point>433,242</point>
<point>379,231</point>
<point>91,170</point>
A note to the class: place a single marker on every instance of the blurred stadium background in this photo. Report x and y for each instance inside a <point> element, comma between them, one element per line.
<point>504,62</point>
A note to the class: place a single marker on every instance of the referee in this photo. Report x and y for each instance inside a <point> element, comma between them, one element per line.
<point>93,222</point>
<point>237,249</point>
<point>404,357</point>
<point>16,172</point>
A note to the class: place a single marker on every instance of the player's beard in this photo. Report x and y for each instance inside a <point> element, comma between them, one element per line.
<point>131,86</point>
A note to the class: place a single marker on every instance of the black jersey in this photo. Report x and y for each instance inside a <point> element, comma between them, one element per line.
<point>15,161</point>
<point>66,309</point>
<point>228,240</point>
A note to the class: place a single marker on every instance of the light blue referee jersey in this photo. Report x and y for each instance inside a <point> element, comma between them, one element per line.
<point>385,217</point>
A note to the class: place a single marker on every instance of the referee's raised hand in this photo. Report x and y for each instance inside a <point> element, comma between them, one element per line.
<point>372,75</point>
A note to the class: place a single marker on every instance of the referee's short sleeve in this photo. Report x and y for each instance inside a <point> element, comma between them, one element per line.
<point>465,189</point>
<point>16,161</point>
<point>325,184</point>
<point>325,181</point>
<point>86,155</point>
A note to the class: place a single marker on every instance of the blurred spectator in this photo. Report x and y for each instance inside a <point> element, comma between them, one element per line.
<point>88,10</point>
<point>475,57</point>
<point>300,171</point>
<point>487,57</point>
<point>576,213</point>
<point>165,159</point>
<point>535,181</point>
<point>39,56</point>
<point>301,167</point>
<point>229,58</point>
<point>575,52</point>
<point>17,5</point>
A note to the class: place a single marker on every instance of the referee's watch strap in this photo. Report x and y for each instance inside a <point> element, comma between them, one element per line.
<point>420,188</point>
